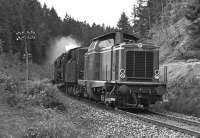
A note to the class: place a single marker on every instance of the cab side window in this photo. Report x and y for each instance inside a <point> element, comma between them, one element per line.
<point>92,45</point>
<point>106,43</point>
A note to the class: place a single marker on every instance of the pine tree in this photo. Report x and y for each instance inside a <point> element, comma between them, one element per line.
<point>145,14</point>
<point>5,23</point>
<point>123,24</point>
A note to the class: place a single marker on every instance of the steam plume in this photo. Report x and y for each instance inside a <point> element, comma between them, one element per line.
<point>61,45</point>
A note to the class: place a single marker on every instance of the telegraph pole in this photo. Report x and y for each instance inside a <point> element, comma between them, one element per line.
<point>27,64</point>
<point>25,36</point>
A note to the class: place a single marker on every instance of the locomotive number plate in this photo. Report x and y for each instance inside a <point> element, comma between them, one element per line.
<point>122,73</point>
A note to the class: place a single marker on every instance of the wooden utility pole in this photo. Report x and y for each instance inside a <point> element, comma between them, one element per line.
<point>25,36</point>
<point>27,64</point>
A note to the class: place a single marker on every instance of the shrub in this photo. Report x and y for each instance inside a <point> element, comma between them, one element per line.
<point>12,100</point>
<point>40,93</point>
<point>43,132</point>
<point>11,85</point>
<point>45,95</point>
<point>184,101</point>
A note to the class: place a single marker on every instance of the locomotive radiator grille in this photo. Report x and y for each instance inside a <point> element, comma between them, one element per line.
<point>139,65</point>
<point>149,64</point>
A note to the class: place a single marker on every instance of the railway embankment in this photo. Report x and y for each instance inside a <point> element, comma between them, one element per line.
<point>43,111</point>
<point>179,50</point>
<point>183,87</point>
<point>46,112</point>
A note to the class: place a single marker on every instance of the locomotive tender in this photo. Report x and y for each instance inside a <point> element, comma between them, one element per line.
<point>115,70</point>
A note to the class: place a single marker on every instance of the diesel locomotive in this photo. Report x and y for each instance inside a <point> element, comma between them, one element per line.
<point>115,69</point>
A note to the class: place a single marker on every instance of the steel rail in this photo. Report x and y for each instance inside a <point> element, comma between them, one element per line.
<point>162,123</point>
<point>184,120</point>
<point>142,117</point>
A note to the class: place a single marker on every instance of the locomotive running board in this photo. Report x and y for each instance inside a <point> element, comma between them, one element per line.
<point>92,83</point>
<point>138,83</point>
<point>95,83</point>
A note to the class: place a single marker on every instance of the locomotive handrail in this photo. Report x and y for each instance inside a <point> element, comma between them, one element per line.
<point>138,83</point>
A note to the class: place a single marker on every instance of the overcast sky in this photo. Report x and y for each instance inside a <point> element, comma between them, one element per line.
<point>98,11</point>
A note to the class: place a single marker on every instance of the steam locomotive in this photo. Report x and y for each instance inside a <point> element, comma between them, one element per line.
<point>115,69</point>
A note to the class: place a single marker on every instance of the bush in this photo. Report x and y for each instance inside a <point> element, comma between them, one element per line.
<point>44,133</point>
<point>12,100</point>
<point>11,85</point>
<point>45,95</point>
<point>9,90</point>
<point>184,100</point>
<point>40,93</point>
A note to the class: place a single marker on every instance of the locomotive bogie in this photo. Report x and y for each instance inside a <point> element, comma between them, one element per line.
<point>124,94</point>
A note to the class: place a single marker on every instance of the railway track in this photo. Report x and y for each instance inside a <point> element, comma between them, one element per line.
<point>179,124</point>
<point>177,118</point>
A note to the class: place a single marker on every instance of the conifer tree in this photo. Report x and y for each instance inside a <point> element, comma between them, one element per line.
<point>123,24</point>
<point>145,14</point>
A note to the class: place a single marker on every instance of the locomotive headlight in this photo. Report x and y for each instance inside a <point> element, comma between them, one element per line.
<point>156,77</point>
<point>139,45</point>
<point>156,74</point>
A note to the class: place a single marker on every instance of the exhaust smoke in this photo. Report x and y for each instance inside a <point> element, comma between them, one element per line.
<point>61,45</point>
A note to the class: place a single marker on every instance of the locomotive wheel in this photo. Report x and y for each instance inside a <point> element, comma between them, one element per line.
<point>107,104</point>
<point>113,105</point>
<point>66,90</point>
<point>89,91</point>
<point>78,91</point>
<point>134,98</point>
<point>146,104</point>
<point>70,90</point>
<point>74,90</point>
<point>85,94</point>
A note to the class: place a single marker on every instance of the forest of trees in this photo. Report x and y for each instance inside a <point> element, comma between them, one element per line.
<point>25,15</point>
<point>145,14</point>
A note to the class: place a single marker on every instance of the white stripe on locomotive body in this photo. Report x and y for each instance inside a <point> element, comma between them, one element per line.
<point>123,46</point>
<point>104,51</point>
<point>95,52</point>
<point>102,82</point>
